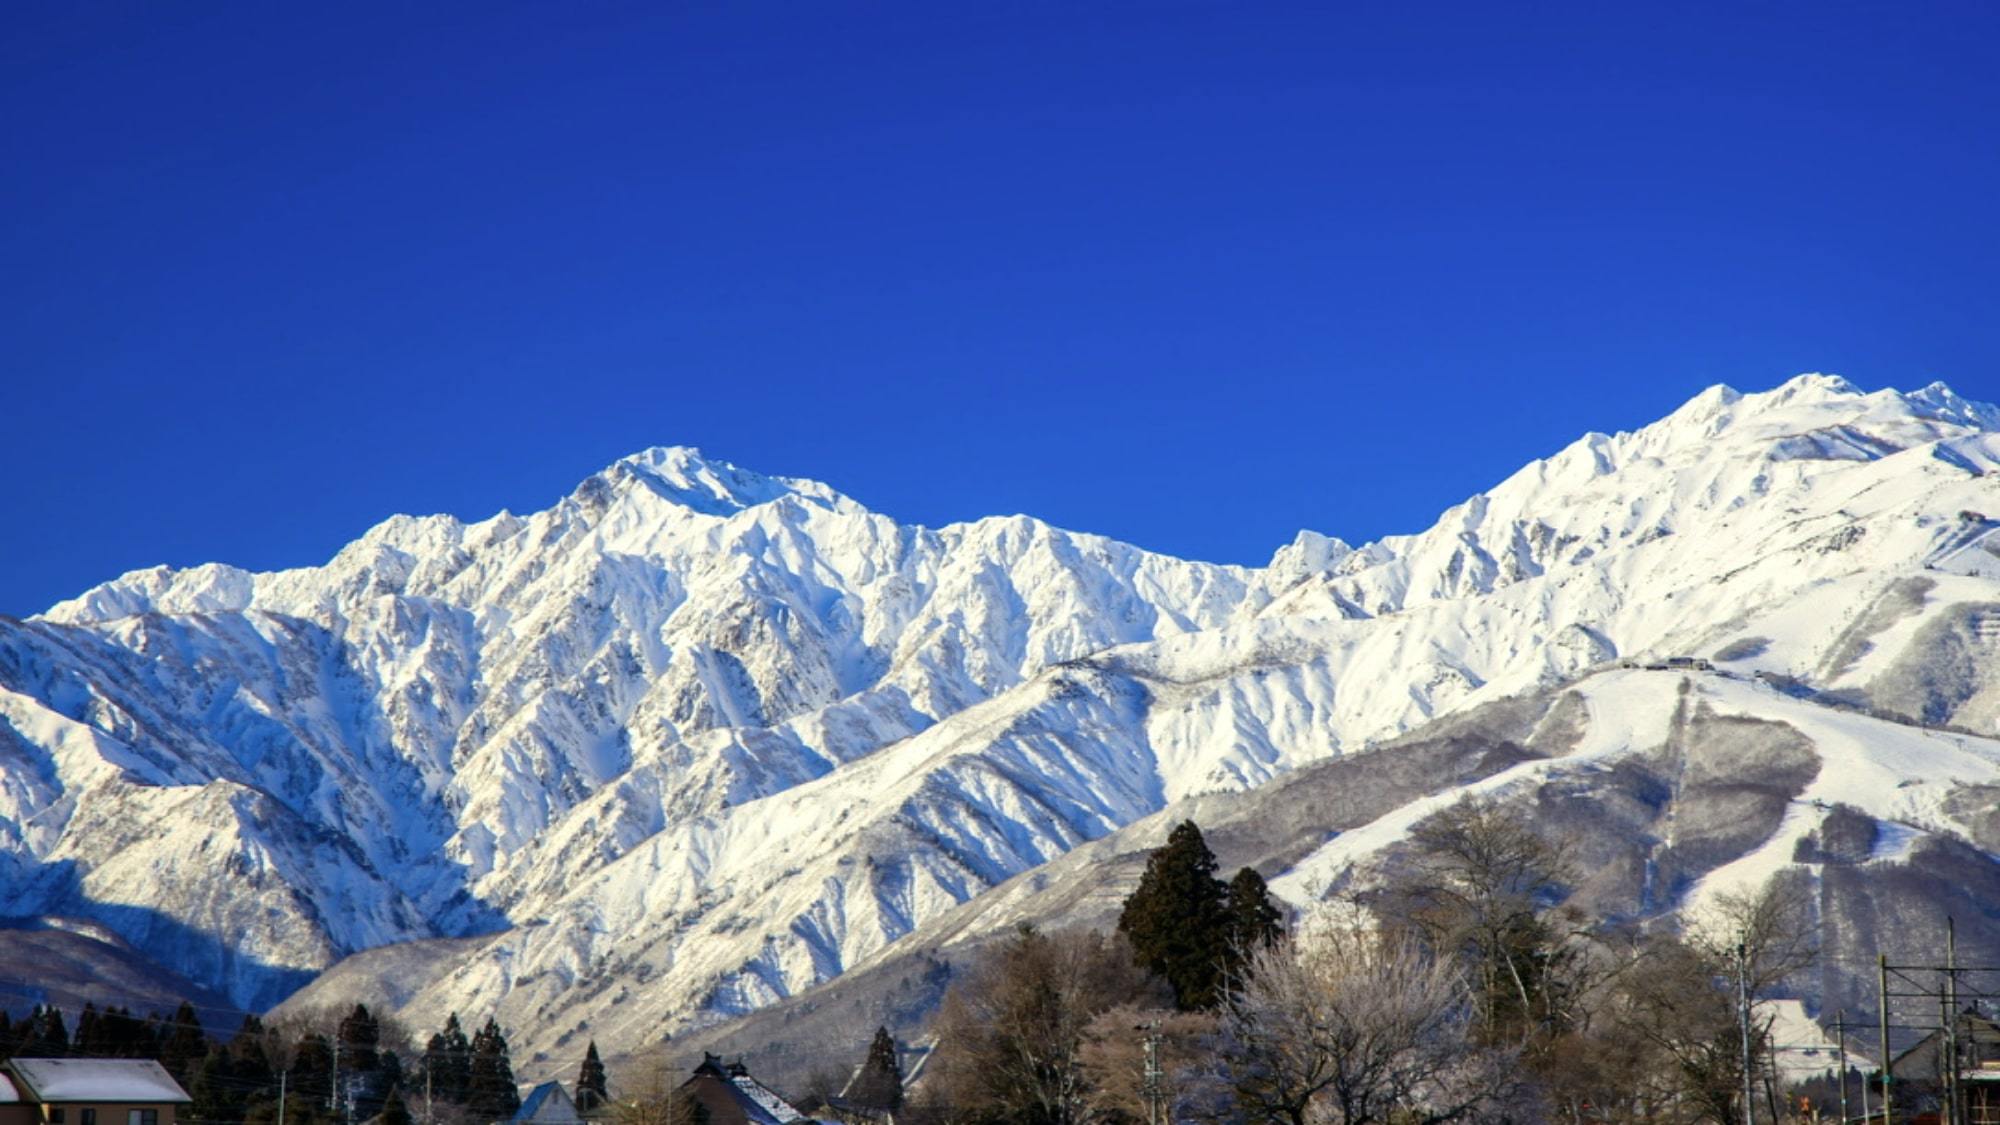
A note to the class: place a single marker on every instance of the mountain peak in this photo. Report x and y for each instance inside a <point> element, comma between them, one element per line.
<point>1813,384</point>
<point>686,477</point>
<point>1815,402</point>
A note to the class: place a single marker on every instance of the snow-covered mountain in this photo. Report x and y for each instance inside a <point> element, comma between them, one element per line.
<point>694,740</point>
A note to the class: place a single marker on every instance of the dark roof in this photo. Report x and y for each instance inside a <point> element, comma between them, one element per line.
<point>732,1097</point>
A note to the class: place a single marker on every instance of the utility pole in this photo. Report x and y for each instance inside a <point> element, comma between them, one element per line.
<point>282,1075</point>
<point>1955,1096</point>
<point>1882,1005</point>
<point>1156,1087</point>
<point>1867,1114</point>
<point>427,1092</point>
<point>333,1086</point>
<point>1946,1061</point>
<point>1743,1025</point>
<point>1840,1050</point>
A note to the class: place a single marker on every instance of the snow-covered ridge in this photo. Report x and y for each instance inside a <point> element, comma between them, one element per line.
<point>729,733</point>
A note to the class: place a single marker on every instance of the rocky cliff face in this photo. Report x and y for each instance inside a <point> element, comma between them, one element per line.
<point>694,740</point>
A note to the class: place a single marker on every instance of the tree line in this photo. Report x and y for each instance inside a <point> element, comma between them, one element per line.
<point>327,1072</point>
<point>1465,988</point>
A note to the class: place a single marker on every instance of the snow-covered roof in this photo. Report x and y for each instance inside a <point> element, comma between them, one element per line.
<point>97,1080</point>
<point>8,1094</point>
<point>770,1109</point>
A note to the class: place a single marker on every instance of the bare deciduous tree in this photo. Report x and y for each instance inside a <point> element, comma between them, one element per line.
<point>1484,888</point>
<point>1771,922</point>
<point>1348,1026</point>
<point>1011,1032</point>
<point>649,1094</point>
<point>1668,1032</point>
<point>1114,1059</point>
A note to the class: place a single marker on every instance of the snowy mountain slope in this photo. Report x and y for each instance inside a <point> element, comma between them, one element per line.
<point>694,740</point>
<point>1670,788</point>
<point>675,636</point>
<point>1313,675</point>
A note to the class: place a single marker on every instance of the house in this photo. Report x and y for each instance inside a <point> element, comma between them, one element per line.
<point>88,1092</point>
<point>729,1096</point>
<point>1921,1071</point>
<point>547,1104</point>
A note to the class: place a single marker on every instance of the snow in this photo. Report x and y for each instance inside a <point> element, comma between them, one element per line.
<point>770,1108</point>
<point>98,1080</point>
<point>1628,713</point>
<point>1804,1049</point>
<point>1896,774</point>
<point>741,733</point>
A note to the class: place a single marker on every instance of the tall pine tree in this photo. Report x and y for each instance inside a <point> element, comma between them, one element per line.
<point>47,1036</point>
<point>367,1071</point>
<point>448,1063</point>
<point>1254,920</point>
<point>183,1044</point>
<point>880,1083</point>
<point>492,1095</point>
<point>311,1078</point>
<point>394,1112</point>
<point>85,1042</point>
<point>217,1095</point>
<point>360,1035</point>
<point>1175,919</point>
<point>251,1051</point>
<point>591,1092</point>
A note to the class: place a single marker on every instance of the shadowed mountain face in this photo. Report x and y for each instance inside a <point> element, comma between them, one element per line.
<point>69,963</point>
<point>694,741</point>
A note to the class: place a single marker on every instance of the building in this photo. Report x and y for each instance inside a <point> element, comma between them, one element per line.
<point>1923,1073</point>
<point>88,1092</point>
<point>548,1104</point>
<point>728,1095</point>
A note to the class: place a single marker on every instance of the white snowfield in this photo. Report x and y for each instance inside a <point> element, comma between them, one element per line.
<point>1899,775</point>
<point>695,739</point>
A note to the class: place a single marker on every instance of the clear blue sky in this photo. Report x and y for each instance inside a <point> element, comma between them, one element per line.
<point>1192,275</point>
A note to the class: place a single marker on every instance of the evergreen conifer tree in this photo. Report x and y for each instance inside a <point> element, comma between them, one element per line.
<point>1175,919</point>
<point>492,1095</point>
<point>121,1035</point>
<point>1254,920</point>
<point>880,1083</point>
<point>184,1044</point>
<point>448,1063</point>
<point>591,1091</point>
<point>394,1112</point>
<point>360,1035</point>
<point>362,1063</point>
<point>216,1094</point>
<point>250,1053</point>
<point>48,1036</point>
<point>84,1042</point>
<point>311,1079</point>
